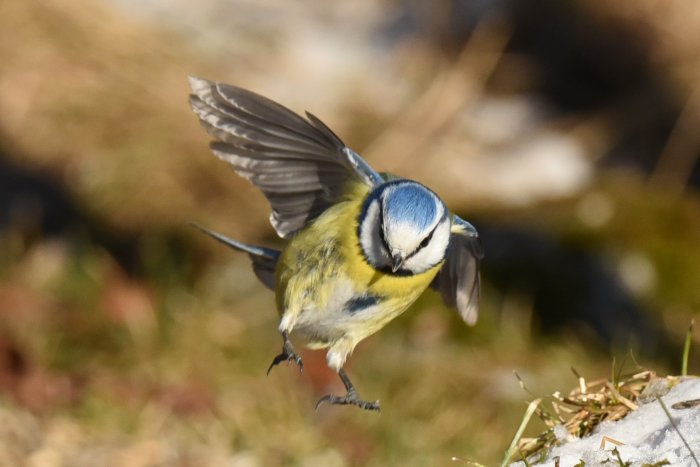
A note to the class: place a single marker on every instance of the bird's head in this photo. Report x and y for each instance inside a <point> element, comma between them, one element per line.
<point>404,228</point>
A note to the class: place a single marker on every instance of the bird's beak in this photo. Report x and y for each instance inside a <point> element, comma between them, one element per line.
<point>397,260</point>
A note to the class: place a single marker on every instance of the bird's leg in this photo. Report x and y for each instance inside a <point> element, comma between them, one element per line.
<point>288,354</point>
<point>350,398</point>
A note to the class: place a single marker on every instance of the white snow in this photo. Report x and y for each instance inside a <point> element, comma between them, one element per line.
<point>647,435</point>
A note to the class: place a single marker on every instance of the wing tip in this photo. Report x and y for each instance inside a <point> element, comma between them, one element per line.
<point>199,85</point>
<point>468,307</point>
<point>468,304</point>
<point>471,315</point>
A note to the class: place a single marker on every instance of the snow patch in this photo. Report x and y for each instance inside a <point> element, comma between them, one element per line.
<point>647,434</point>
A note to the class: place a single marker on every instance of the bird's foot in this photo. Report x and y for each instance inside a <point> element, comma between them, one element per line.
<point>288,354</point>
<point>351,398</point>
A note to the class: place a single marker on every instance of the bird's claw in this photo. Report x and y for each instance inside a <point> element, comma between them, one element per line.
<point>288,354</point>
<point>350,398</point>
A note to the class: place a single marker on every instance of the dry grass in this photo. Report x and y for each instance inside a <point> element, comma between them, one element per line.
<point>591,403</point>
<point>587,406</point>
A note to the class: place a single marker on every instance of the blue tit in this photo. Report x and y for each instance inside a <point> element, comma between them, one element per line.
<point>361,247</point>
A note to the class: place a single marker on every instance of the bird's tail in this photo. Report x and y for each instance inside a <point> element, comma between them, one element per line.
<point>264,259</point>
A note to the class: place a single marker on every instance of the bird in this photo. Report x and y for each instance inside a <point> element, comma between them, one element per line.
<point>361,246</point>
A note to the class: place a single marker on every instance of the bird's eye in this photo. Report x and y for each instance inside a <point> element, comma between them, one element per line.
<point>426,240</point>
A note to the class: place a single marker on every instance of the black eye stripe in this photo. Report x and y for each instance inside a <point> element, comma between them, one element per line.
<point>424,243</point>
<point>426,240</point>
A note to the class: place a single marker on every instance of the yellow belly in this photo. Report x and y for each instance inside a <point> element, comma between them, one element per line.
<point>323,266</point>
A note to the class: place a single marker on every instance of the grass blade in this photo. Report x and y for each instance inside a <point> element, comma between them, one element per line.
<point>686,349</point>
<point>518,434</point>
<point>675,427</point>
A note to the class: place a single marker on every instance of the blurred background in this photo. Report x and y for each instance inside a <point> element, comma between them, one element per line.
<point>567,131</point>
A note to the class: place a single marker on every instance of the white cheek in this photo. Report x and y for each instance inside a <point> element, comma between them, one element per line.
<point>370,239</point>
<point>433,253</point>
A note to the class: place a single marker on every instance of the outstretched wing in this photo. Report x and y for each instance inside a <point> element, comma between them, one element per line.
<point>299,164</point>
<point>458,281</point>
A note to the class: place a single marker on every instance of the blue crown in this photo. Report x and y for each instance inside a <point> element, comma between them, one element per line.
<point>409,202</point>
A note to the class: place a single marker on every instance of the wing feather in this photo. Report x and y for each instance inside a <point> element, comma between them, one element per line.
<point>299,164</point>
<point>459,281</point>
<point>230,101</point>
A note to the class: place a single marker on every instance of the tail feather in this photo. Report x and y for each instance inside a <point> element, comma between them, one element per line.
<point>264,259</point>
